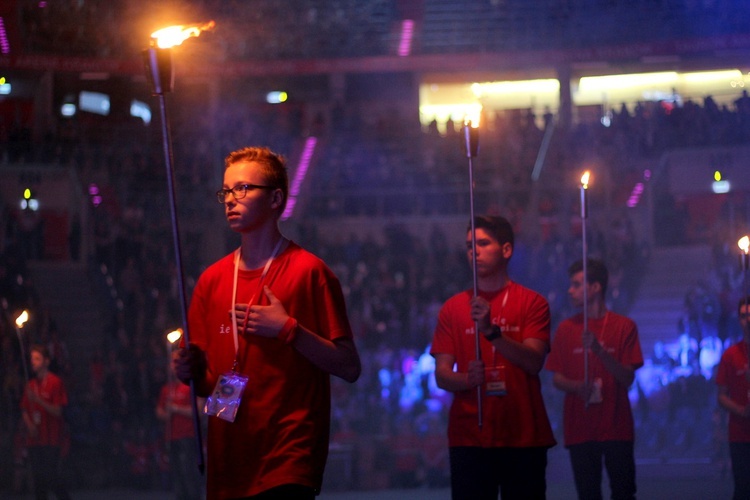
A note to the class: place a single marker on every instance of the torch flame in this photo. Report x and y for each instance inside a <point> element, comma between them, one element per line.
<point>174,335</point>
<point>585,179</point>
<point>174,35</point>
<point>744,244</point>
<point>472,115</point>
<point>22,318</point>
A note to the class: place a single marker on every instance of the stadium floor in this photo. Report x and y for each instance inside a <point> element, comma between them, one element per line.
<point>684,479</point>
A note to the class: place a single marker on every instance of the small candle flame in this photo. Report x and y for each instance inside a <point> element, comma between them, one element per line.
<point>744,244</point>
<point>174,335</point>
<point>174,35</point>
<point>22,318</point>
<point>585,179</point>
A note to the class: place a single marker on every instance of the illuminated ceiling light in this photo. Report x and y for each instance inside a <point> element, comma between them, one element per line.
<point>94,102</point>
<point>488,89</point>
<point>276,97</point>
<point>711,76</point>
<point>68,109</point>
<point>139,109</point>
<point>720,186</point>
<point>611,82</point>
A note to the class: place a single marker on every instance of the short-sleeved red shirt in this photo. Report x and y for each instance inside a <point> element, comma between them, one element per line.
<point>51,428</point>
<point>732,374</point>
<point>280,435</point>
<point>612,419</point>
<point>180,426</point>
<point>518,419</point>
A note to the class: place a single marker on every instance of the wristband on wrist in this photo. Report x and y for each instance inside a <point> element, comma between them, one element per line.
<point>495,334</point>
<point>288,332</point>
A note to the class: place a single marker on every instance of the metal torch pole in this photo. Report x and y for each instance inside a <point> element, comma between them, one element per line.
<point>744,262</point>
<point>471,146</point>
<point>23,356</point>
<point>584,249</point>
<point>161,78</point>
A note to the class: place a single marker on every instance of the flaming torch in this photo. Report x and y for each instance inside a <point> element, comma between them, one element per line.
<point>20,321</point>
<point>158,60</point>
<point>471,148</point>
<point>584,249</point>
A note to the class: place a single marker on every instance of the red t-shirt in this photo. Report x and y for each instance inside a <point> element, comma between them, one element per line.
<point>280,434</point>
<point>518,419</point>
<point>732,374</point>
<point>51,428</point>
<point>180,426</point>
<point>612,419</point>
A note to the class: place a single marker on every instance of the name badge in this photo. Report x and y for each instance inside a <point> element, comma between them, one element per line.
<point>494,380</point>
<point>225,399</point>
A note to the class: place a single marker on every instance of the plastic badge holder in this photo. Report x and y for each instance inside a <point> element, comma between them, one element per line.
<point>225,399</point>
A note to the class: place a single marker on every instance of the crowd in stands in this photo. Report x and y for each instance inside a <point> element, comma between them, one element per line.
<point>352,28</point>
<point>389,426</point>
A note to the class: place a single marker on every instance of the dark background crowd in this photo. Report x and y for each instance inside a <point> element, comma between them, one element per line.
<point>389,427</point>
<point>403,181</point>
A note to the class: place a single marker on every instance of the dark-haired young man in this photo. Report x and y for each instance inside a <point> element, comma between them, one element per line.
<point>508,453</point>
<point>268,327</point>
<point>597,417</point>
<point>733,381</point>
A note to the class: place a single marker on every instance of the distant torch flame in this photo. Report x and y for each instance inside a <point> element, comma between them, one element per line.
<point>174,335</point>
<point>175,35</point>
<point>472,114</point>
<point>744,244</point>
<point>22,318</point>
<point>585,179</point>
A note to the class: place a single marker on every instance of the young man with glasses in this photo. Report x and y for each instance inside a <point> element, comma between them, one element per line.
<point>268,326</point>
<point>733,381</point>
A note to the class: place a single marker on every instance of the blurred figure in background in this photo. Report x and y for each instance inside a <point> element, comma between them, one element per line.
<point>42,409</point>
<point>733,381</point>
<point>176,411</point>
<point>597,417</point>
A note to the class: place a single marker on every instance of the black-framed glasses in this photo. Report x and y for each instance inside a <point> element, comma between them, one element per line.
<point>238,192</point>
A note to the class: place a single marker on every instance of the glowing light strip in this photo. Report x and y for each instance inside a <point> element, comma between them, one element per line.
<point>635,194</point>
<point>299,176</point>
<point>4,44</point>
<point>407,32</point>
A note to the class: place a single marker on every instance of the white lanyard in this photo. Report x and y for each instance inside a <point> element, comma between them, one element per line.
<point>502,316</point>
<point>237,255</point>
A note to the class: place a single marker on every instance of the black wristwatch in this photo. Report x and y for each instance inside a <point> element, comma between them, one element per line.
<point>496,333</point>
